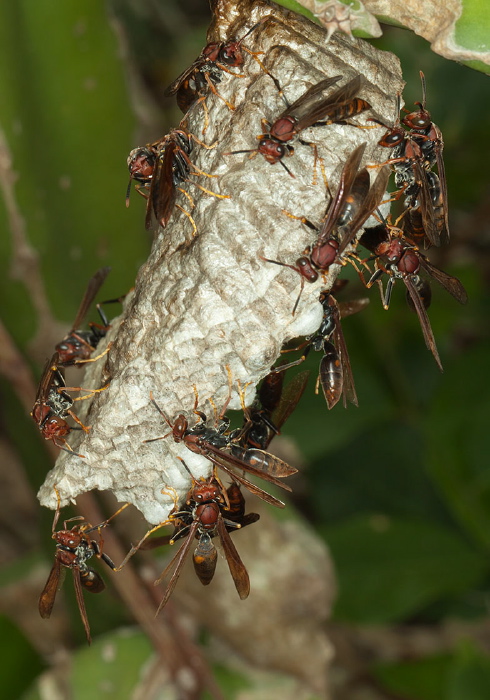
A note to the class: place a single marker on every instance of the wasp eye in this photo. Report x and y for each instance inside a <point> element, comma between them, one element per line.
<point>395,139</point>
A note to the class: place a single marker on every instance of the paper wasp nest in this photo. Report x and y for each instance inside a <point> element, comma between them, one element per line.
<point>206,303</point>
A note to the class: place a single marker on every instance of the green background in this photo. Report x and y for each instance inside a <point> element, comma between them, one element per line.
<point>400,487</point>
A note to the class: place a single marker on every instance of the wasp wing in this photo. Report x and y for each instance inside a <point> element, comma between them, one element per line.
<point>237,568</point>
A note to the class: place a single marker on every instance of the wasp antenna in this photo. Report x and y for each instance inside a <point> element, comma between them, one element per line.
<point>254,26</point>
<point>422,80</point>
<point>380,215</point>
<point>278,262</point>
<point>152,399</point>
<point>69,449</point>
<point>286,168</point>
<point>299,295</point>
<point>58,509</point>
<point>232,153</point>
<point>194,480</point>
<point>377,121</point>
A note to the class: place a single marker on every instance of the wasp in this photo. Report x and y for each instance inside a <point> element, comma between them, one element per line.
<point>207,513</point>
<point>207,70</point>
<point>335,372</point>
<point>221,447</point>
<point>313,108</point>
<point>53,405</point>
<point>416,150</point>
<point>78,345</point>
<point>275,403</point>
<point>73,549</point>
<point>401,259</point>
<point>353,203</point>
<point>159,169</point>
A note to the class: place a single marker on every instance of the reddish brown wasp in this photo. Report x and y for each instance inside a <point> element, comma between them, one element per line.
<point>428,136</point>
<point>313,108</point>
<point>141,166</point>
<point>53,405</point>
<point>73,549</point>
<point>275,403</point>
<point>335,374</point>
<point>206,71</point>
<point>203,517</point>
<point>158,169</point>
<point>354,201</point>
<point>415,153</point>
<point>212,443</point>
<point>232,508</point>
<point>401,259</point>
<point>78,345</point>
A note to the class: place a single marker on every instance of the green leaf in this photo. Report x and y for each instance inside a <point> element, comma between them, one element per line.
<point>230,681</point>
<point>296,7</point>
<point>389,569</point>
<point>109,669</point>
<point>424,679</point>
<point>20,663</point>
<point>20,568</point>
<point>68,124</point>
<point>469,676</point>
<point>393,482</point>
<point>459,443</point>
<point>330,430</point>
<point>472,30</point>
<point>477,65</point>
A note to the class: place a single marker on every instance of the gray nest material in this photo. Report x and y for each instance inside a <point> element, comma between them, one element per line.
<point>207,303</point>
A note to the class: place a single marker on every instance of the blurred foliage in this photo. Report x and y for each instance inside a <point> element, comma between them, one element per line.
<point>400,487</point>
<point>109,669</point>
<point>465,675</point>
<point>391,568</point>
<point>423,679</point>
<point>68,124</point>
<point>20,662</point>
